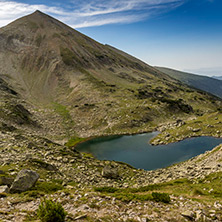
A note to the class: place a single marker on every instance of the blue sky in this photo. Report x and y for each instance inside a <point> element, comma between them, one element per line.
<point>180,34</point>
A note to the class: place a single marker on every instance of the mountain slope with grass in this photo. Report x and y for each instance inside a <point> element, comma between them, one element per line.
<point>208,84</point>
<point>88,88</point>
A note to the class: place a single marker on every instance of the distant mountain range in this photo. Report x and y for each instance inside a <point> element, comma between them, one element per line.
<point>208,84</point>
<point>217,77</point>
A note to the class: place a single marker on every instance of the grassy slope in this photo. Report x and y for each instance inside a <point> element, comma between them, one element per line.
<point>198,191</point>
<point>100,89</point>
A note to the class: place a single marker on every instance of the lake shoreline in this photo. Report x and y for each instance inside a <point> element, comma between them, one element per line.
<point>137,152</point>
<point>164,142</point>
<point>161,142</point>
<point>112,135</point>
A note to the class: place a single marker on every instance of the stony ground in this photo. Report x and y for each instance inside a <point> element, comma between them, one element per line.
<point>209,124</point>
<point>98,208</point>
<point>70,178</point>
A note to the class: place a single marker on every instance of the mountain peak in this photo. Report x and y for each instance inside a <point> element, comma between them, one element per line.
<point>39,14</point>
<point>36,21</point>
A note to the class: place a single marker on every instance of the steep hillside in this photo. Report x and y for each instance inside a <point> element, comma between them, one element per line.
<point>13,110</point>
<point>208,84</point>
<point>78,86</point>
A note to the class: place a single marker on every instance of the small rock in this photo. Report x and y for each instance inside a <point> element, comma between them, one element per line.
<point>196,130</point>
<point>4,189</point>
<point>217,205</point>
<point>28,156</point>
<point>199,215</point>
<point>188,214</point>
<point>80,217</point>
<point>145,220</point>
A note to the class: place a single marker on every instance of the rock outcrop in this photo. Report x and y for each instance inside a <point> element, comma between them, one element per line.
<point>25,180</point>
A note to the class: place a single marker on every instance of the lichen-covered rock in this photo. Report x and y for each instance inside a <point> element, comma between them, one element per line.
<point>25,180</point>
<point>110,172</point>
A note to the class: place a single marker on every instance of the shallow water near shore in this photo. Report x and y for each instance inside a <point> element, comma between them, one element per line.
<point>136,150</point>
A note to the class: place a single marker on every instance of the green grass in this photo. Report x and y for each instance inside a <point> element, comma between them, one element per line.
<point>127,197</point>
<point>154,196</point>
<point>73,141</point>
<point>62,110</point>
<point>106,189</point>
<point>33,194</point>
<point>6,169</point>
<point>67,121</point>
<point>208,189</point>
<point>161,197</point>
<point>31,216</point>
<point>50,211</point>
<point>69,57</point>
<point>47,187</point>
<point>131,194</point>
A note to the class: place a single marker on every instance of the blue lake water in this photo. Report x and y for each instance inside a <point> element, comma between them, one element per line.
<point>136,150</point>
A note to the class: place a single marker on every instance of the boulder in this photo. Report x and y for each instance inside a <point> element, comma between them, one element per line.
<point>25,180</point>
<point>110,172</point>
<point>4,189</point>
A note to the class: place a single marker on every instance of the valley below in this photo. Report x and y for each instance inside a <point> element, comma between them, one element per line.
<point>59,88</point>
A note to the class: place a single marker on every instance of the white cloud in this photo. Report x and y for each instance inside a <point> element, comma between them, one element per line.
<point>85,13</point>
<point>10,10</point>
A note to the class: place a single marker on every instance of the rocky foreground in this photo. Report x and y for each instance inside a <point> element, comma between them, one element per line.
<point>70,177</point>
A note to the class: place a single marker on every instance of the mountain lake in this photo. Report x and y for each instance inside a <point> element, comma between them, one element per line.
<point>136,150</point>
